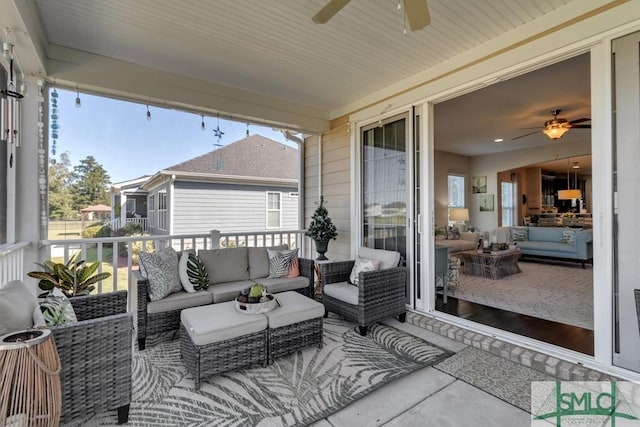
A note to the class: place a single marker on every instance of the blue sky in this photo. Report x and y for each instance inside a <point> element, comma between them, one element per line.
<point>117,134</point>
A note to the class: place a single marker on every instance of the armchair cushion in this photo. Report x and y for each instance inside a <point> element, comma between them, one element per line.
<point>161,269</point>
<point>362,264</point>
<point>17,307</point>
<point>388,259</point>
<point>342,291</point>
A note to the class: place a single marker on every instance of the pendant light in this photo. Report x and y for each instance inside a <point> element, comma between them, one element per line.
<point>570,194</point>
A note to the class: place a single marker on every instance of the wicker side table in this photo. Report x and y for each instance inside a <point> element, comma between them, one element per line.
<point>491,265</point>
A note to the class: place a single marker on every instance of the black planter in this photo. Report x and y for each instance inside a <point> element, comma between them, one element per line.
<point>321,248</point>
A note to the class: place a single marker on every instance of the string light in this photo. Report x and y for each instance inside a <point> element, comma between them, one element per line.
<point>247,129</point>
<point>148,114</point>
<point>202,125</point>
<point>78,102</point>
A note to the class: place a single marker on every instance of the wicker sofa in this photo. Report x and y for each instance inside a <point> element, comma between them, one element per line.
<point>379,295</point>
<point>230,271</point>
<point>95,355</point>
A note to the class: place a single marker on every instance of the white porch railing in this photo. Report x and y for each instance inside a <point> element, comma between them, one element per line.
<point>121,252</point>
<point>12,262</point>
<point>116,224</point>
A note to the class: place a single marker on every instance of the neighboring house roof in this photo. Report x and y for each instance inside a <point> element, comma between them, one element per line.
<point>96,208</point>
<point>255,158</point>
<point>130,186</point>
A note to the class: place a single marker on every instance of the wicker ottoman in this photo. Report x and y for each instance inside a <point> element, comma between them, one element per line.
<point>216,338</point>
<point>296,324</point>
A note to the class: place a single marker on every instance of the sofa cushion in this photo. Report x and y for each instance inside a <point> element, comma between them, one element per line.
<point>57,309</point>
<point>389,259</point>
<point>519,234</point>
<point>228,291</point>
<point>178,301</point>
<point>17,307</point>
<point>360,265</point>
<point>285,284</point>
<point>569,236</point>
<point>458,245</point>
<point>532,247</point>
<point>453,233</point>
<point>228,324</point>
<point>280,262</point>
<point>259,261</point>
<point>161,269</point>
<point>226,265</point>
<point>545,234</point>
<point>343,292</point>
<point>470,236</point>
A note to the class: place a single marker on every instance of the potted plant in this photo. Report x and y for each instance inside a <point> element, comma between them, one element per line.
<point>76,277</point>
<point>321,229</point>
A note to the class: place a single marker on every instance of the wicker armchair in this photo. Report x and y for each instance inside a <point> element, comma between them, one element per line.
<point>95,355</point>
<point>381,293</point>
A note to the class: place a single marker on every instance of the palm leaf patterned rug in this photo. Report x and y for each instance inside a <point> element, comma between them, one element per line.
<point>295,390</point>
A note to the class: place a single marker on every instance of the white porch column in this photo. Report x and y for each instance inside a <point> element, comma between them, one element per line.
<point>28,162</point>
<point>123,209</point>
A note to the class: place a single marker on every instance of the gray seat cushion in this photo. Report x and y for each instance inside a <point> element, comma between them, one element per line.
<point>259,261</point>
<point>342,291</point>
<point>283,284</point>
<point>228,291</point>
<point>220,322</point>
<point>225,265</point>
<point>388,259</point>
<point>294,308</point>
<point>178,301</point>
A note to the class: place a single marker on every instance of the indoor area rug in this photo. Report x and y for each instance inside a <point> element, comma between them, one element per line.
<point>557,292</point>
<point>295,390</point>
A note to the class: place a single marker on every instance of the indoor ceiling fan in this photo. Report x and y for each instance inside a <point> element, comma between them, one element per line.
<point>557,127</point>
<point>416,12</point>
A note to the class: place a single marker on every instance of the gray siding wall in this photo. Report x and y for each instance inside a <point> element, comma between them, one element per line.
<point>202,207</point>
<point>336,186</point>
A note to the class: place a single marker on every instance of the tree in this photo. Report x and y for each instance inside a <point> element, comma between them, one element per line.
<point>90,184</point>
<point>60,179</point>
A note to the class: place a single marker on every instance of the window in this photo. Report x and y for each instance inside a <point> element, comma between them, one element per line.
<point>162,210</point>
<point>456,191</point>
<point>508,205</point>
<point>131,205</point>
<point>273,210</point>
<point>152,211</point>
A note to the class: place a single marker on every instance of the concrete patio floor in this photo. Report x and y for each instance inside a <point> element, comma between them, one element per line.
<point>428,397</point>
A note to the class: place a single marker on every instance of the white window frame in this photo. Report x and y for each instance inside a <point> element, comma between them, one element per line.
<point>133,201</point>
<point>462,197</point>
<point>268,210</point>
<point>151,208</point>
<point>162,210</point>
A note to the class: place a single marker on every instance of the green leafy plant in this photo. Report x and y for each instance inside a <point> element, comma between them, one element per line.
<point>321,227</point>
<point>76,277</point>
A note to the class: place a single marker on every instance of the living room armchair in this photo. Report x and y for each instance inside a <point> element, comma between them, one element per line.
<point>95,356</point>
<point>380,294</point>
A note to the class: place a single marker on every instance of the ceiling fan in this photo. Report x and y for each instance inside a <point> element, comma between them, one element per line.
<point>557,127</point>
<point>416,12</point>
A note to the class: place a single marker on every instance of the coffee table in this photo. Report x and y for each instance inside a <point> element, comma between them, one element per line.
<point>494,265</point>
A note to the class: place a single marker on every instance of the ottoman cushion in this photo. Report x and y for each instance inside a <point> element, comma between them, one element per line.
<point>219,322</point>
<point>294,308</point>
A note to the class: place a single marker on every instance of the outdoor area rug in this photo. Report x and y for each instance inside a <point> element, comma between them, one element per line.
<point>295,390</point>
<point>557,292</point>
<point>495,375</point>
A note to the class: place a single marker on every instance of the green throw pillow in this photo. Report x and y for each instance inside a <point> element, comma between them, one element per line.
<point>57,309</point>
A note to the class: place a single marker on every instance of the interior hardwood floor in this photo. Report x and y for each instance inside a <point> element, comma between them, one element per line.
<point>567,336</point>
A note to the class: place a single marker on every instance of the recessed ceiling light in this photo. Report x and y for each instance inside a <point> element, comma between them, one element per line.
<point>498,140</point>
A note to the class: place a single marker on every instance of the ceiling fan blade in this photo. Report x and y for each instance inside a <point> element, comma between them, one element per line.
<point>417,14</point>
<point>526,134</point>
<point>584,119</point>
<point>328,10</point>
<point>581,127</point>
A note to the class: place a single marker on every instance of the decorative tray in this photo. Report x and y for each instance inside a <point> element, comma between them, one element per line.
<point>257,307</point>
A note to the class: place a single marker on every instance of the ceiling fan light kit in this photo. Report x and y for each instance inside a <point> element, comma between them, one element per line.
<point>555,128</point>
<point>416,13</point>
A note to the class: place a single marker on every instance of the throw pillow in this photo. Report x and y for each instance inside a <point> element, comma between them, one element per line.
<point>280,262</point>
<point>182,273</point>
<point>196,273</point>
<point>17,307</point>
<point>294,268</point>
<point>361,265</point>
<point>519,234</point>
<point>568,236</point>
<point>57,309</point>
<point>161,269</point>
<point>453,233</point>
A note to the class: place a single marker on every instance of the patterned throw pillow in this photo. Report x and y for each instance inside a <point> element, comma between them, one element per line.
<point>161,269</point>
<point>519,234</point>
<point>453,233</point>
<point>193,274</point>
<point>280,262</point>
<point>568,236</point>
<point>361,265</point>
<point>57,309</point>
